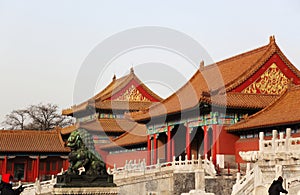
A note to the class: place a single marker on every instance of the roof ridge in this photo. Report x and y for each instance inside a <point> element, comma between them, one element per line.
<point>238,56</point>
<point>24,131</point>
<point>287,61</point>
<point>115,89</point>
<point>235,57</point>
<point>271,48</point>
<point>207,67</point>
<point>126,81</point>
<point>251,94</point>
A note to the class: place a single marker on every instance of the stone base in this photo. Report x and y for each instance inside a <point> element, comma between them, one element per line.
<point>84,181</point>
<point>87,190</point>
<point>197,192</point>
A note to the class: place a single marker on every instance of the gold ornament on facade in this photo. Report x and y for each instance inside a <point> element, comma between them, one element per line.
<point>272,81</point>
<point>132,94</point>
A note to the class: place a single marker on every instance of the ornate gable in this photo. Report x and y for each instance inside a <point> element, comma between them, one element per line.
<point>132,94</point>
<point>272,81</point>
<point>273,77</point>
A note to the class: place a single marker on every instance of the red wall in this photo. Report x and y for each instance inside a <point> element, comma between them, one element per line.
<point>49,166</point>
<point>120,158</point>
<point>102,153</point>
<point>249,144</point>
<point>226,143</point>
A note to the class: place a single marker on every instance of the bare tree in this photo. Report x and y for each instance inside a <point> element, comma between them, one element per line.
<point>16,119</point>
<point>38,117</point>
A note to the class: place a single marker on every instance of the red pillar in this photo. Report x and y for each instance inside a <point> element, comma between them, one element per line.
<point>187,142</point>
<point>214,149</point>
<point>37,167</point>
<point>4,165</point>
<point>155,149</point>
<point>149,150</point>
<point>169,149</point>
<point>66,164</point>
<point>205,140</point>
<point>173,148</point>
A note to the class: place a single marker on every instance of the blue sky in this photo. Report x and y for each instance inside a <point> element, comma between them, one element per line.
<point>44,43</point>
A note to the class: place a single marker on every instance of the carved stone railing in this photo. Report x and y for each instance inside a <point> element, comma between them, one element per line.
<point>44,187</point>
<point>137,168</point>
<point>283,144</point>
<point>245,183</point>
<point>274,154</point>
<point>282,148</point>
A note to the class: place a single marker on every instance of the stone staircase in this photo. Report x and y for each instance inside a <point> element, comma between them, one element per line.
<point>279,156</point>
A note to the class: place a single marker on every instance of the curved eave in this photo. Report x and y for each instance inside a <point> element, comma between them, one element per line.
<point>284,110</point>
<point>136,136</point>
<point>267,125</point>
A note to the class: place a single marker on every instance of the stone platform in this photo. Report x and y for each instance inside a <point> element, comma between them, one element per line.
<point>66,181</point>
<point>85,184</point>
<point>87,190</point>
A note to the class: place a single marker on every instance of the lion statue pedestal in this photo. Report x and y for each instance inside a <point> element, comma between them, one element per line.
<point>94,178</point>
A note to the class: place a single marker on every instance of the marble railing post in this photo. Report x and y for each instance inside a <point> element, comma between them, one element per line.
<point>238,177</point>
<point>274,137</point>
<point>261,139</point>
<point>287,139</point>
<point>282,142</point>
<point>179,160</point>
<point>248,168</point>
<point>174,161</point>
<point>193,159</point>
<point>199,161</point>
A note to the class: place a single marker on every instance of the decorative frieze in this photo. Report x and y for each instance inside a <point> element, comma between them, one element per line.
<point>213,118</point>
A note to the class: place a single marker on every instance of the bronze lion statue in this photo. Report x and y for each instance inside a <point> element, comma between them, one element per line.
<point>80,156</point>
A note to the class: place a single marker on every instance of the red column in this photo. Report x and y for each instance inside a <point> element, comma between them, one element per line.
<point>169,152</point>
<point>149,150</point>
<point>66,164</point>
<point>214,149</point>
<point>37,167</point>
<point>187,142</point>
<point>173,148</point>
<point>4,165</point>
<point>205,140</point>
<point>155,149</point>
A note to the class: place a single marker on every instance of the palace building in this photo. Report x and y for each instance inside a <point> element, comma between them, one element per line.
<point>207,115</point>
<point>28,155</point>
<point>216,114</point>
<point>103,116</point>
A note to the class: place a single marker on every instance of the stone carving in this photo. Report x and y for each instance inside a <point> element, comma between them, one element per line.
<point>80,156</point>
<point>86,168</point>
<point>249,156</point>
<point>272,81</point>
